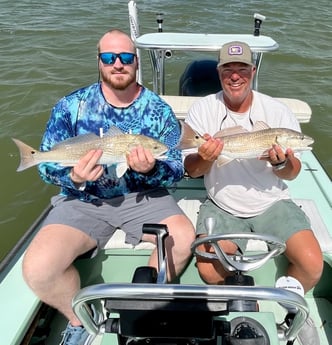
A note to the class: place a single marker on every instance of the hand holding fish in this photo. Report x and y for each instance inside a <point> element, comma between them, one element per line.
<point>285,164</point>
<point>114,146</point>
<point>87,168</point>
<point>211,148</point>
<point>208,152</point>
<point>263,142</point>
<point>276,155</point>
<point>141,160</point>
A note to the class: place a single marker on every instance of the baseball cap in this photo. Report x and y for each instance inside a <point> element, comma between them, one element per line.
<point>235,52</point>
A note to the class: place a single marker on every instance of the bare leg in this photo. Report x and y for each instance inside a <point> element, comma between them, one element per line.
<point>303,252</point>
<point>305,258</point>
<point>48,269</point>
<point>211,271</point>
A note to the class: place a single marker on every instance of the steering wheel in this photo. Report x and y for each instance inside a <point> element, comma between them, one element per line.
<point>237,262</point>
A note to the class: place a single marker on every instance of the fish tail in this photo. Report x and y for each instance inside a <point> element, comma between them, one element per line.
<point>189,138</point>
<point>27,154</point>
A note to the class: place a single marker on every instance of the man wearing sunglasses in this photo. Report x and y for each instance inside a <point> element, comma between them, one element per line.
<point>93,201</point>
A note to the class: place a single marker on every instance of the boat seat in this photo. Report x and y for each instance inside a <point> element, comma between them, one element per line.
<point>200,78</point>
<point>191,209</point>
<point>181,105</point>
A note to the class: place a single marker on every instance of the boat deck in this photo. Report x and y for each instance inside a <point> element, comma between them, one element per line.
<point>316,201</point>
<point>312,190</point>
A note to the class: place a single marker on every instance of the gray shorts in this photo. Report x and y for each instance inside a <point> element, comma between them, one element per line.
<point>101,218</point>
<point>281,220</point>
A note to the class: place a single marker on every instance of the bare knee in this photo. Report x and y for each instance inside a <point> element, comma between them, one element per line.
<point>209,272</point>
<point>181,232</point>
<point>51,253</point>
<point>212,271</point>
<point>315,269</point>
<point>37,270</point>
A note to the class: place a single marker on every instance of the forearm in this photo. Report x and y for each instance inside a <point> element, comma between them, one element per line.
<point>291,169</point>
<point>196,166</point>
<point>164,174</point>
<point>52,173</point>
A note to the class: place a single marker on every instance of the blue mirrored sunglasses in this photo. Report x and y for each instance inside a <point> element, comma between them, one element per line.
<point>110,58</point>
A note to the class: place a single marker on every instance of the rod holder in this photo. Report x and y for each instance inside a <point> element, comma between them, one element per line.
<point>160,19</point>
<point>258,22</point>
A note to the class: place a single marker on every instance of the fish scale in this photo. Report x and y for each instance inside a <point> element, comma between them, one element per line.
<point>242,144</point>
<point>115,146</point>
<point>256,143</point>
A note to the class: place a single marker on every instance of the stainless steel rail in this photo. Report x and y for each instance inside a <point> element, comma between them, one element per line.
<point>172,292</point>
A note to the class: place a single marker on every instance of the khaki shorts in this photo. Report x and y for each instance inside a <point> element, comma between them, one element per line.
<point>100,219</point>
<point>281,220</point>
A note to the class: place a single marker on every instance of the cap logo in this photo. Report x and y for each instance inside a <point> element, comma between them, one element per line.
<point>235,50</point>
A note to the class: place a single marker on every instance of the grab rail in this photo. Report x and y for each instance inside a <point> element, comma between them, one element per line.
<point>172,292</point>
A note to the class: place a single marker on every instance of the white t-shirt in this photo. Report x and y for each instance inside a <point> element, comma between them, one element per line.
<point>243,187</point>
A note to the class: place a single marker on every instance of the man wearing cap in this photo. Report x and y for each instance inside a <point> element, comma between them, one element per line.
<point>249,195</point>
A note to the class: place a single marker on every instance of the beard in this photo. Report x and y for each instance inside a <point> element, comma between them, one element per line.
<point>118,81</point>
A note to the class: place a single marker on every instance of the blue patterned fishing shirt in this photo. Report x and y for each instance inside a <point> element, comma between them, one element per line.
<point>87,111</point>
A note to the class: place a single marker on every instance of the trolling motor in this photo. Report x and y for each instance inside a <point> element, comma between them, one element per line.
<point>258,22</point>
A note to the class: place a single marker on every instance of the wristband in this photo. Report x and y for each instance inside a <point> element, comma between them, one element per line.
<point>279,166</point>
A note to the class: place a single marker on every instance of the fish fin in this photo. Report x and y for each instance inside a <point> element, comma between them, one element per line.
<point>27,155</point>
<point>230,131</point>
<point>264,154</point>
<point>67,164</point>
<point>162,158</point>
<point>189,138</point>
<point>259,126</point>
<point>223,160</point>
<point>121,169</point>
<point>113,131</point>
<point>82,138</point>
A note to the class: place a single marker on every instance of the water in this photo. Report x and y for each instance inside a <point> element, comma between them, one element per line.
<point>48,49</point>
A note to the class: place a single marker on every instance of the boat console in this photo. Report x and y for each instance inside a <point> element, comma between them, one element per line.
<point>162,43</point>
<point>150,311</point>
